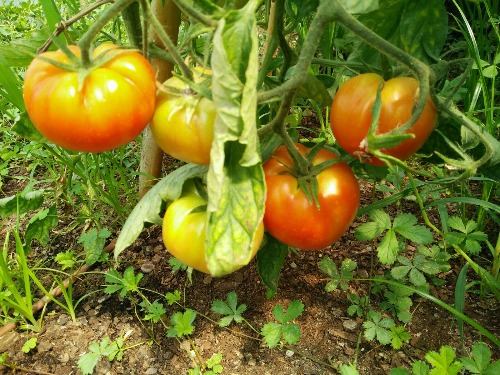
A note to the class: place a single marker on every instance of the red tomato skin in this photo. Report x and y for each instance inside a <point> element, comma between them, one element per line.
<point>292,219</point>
<point>350,115</point>
<point>113,105</point>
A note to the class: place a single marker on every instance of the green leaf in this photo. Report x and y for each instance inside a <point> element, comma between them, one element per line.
<point>290,333</point>
<point>457,223</point>
<point>399,371</point>
<point>88,361</point>
<point>270,260</point>
<point>313,88</point>
<point>40,226</point>
<point>399,337</point>
<point>400,272</point>
<point>93,244</point>
<point>25,128</point>
<point>369,231</point>
<point>10,85</point>
<point>129,282</point>
<point>235,180</point>
<point>360,6</point>
<point>173,297</point>
<point>417,278</point>
<point>346,369</point>
<point>294,310</point>
<point>154,311</point>
<point>420,368</point>
<point>230,308</point>
<point>29,344</point>
<point>423,29</point>
<point>182,323</point>
<point>272,334</point>
<point>148,209</point>
<point>25,201</point>
<point>443,362</point>
<point>480,361</point>
<point>388,248</point>
<point>405,225</point>
<point>66,259</point>
<point>20,52</point>
<point>419,28</point>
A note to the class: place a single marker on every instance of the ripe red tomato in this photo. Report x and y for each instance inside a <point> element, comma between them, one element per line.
<point>183,124</point>
<point>350,116</point>
<point>108,109</point>
<point>184,231</point>
<point>292,219</point>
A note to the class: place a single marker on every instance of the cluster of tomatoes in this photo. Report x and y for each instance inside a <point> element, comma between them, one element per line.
<point>80,113</point>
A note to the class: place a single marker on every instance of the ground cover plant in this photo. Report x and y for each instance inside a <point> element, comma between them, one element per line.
<point>312,189</point>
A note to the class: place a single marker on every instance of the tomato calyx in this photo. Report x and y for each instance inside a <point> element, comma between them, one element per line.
<point>373,143</point>
<point>307,179</point>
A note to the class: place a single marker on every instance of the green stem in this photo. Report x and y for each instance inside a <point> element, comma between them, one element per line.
<point>269,46</point>
<point>106,16</point>
<point>307,53</point>
<point>452,111</point>
<point>195,14</point>
<point>169,45</point>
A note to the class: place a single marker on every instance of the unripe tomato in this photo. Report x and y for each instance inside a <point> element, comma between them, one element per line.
<point>292,219</point>
<point>183,124</point>
<point>184,231</point>
<point>351,116</point>
<point>105,108</point>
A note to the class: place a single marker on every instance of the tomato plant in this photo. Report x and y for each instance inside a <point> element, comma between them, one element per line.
<point>183,123</point>
<point>351,115</point>
<point>184,231</point>
<point>296,220</point>
<point>95,109</point>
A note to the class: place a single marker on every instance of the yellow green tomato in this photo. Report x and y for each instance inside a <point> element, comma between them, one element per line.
<point>183,123</point>
<point>184,231</point>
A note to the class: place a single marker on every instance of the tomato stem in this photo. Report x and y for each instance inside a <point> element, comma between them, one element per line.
<point>106,16</point>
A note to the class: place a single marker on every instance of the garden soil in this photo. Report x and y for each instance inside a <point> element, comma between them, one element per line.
<point>329,336</point>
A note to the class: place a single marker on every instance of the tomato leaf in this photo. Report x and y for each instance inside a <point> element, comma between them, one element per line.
<point>40,226</point>
<point>25,128</point>
<point>235,181</point>
<point>419,28</point>
<point>270,260</point>
<point>21,203</point>
<point>148,209</point>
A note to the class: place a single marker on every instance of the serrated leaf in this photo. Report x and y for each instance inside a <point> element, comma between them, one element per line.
<point>294,310</point>
<point>272,334</point>
<point>388,248</point>
<point>270,260</point>
<point>400,272</point>
<point>24,202</point>
<point>420,368</point>
<point>40,225</point>
<point>148,208</point>
<point>480,360</point>
<point>235,180</point>
<point>369,231</point>
<point>87,362</point>
<point>93,244</point>
<point>404,222</point>
<point>417,278</point>
<point>443,362</point>
<point>457,223</point>
<point>328,266</point>
<point>182,323</point>
<point>291,333</point>
<point>399,337</point>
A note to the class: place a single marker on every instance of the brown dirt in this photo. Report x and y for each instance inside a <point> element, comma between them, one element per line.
<point>329,335</point>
